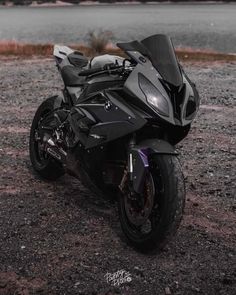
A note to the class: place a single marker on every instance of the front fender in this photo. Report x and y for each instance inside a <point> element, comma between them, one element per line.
<point>140,157</point>
<point>157,146</point>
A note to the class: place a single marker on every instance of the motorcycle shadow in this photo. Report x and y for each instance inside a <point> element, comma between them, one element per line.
<point>86,205</point>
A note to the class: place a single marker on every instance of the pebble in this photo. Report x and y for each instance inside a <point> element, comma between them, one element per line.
<point>167,291</point>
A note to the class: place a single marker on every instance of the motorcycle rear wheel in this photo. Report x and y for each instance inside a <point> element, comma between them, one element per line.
<point>47,167</point>
<point>149,226</point>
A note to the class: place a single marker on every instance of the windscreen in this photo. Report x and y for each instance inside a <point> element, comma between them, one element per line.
<point>162,56</point>
<point>159,49</point>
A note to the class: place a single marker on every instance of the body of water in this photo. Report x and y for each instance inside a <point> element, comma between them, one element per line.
<point>208,26</point>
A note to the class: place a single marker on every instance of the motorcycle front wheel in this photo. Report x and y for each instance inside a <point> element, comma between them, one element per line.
<point>151,219</point>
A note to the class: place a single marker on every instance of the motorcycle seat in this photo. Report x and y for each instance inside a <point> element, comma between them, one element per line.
<point>70,76</point>
<point>77,59</point>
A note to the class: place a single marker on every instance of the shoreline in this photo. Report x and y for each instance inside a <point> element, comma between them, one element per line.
<point>11,49</point>
<point>59,3</point>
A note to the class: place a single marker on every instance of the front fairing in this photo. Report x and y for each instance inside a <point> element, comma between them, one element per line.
<point>176,108</point>
<point>191,101</point>
<point>145,68</point>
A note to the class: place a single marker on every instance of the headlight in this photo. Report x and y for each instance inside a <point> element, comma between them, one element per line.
<point>153,96</point>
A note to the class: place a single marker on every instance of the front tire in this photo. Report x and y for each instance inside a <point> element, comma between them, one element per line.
<point>164,206</point>
<point>47,167</point>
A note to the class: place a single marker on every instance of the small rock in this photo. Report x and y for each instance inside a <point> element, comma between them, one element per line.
<point>176,284</point>
<point>192,186</point>
<point>195,289</point>
<point>61,256</point>
<point>49,195</point>
<point>33,222</point>
<point>42,252</point>
<point>167,291</point>
<point>36,194</point>
<point>43,213</point>
<point>76,284</point>
<point>139,271</point>
<point>233,208</point>
<point>3,284</point>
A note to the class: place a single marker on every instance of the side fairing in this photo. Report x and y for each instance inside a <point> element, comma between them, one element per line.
<point>113,118</point>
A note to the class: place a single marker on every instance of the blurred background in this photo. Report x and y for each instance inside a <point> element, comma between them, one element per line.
<point>200,25</point>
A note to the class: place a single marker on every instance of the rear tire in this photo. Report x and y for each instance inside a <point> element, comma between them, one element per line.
<point>166,209</point>
<point>47,167</point>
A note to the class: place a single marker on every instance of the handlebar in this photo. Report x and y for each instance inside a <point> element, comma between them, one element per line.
<point>106,68</point>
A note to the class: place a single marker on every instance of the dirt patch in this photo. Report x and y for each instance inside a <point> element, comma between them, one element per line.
<point>11,283</point>
<point>58,238</point>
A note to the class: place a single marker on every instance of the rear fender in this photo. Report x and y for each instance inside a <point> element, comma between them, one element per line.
<point>57,101</point>
<point>53,102</point>
<point>140,157</point>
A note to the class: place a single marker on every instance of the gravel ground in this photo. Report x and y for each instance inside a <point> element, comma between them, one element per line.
<point>58,238</point>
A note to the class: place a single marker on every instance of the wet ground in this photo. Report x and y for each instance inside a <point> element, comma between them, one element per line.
<point>58,238</point>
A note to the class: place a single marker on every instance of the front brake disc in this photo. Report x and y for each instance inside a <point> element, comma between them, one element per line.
<point>139,207</point>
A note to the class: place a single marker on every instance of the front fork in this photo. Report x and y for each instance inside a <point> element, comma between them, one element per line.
<point>128,172</point>
<point>130,165</point>
<point>137,168</point>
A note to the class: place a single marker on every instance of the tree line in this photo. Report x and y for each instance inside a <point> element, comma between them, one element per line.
<point>28,2</point>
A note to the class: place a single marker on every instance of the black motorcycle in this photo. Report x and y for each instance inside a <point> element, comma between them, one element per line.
<point>115,126</point>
